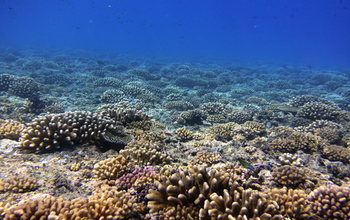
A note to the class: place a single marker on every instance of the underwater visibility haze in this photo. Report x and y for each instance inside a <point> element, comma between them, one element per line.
<point>131,109</point>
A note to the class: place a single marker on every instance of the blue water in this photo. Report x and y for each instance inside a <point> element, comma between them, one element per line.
<point>302,33</point>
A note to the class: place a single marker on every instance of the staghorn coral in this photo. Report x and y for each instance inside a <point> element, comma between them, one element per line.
<point>53,131</point>
<point>112,168</point>
<point>10,129</point>
<point>184,134</point>
<point>191,117</point>
<point>144,152</point>
<point>330,202</point>
<point>318,110</point>
<point>198,194</point>
<point>18,184</point>
<point>289,176</point>
<point>335,152</point>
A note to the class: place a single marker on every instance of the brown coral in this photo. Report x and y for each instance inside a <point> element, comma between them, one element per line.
<point>53,131</point>
<point>10,129</point>
<point>328,130</point>
<point>318,110</point>
<point>223,132</point>
<point>331,202</point>
<point>197,194</point>
<point>184,134</point>
<point>292,141</point>
<point>18,184</point>
<point>289,176</point>
<point>112,168</point>
<point>145,153</point>
<point>335,152</point>
<point>206,158</point>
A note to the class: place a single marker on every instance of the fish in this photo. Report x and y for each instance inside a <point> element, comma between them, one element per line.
<point>246,164</point>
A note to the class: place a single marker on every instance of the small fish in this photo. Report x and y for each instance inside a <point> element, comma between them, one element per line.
<point>77,27</point>
<point>246,164</point>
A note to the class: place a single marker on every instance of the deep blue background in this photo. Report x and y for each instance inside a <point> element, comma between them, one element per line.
<point>315,32</point>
